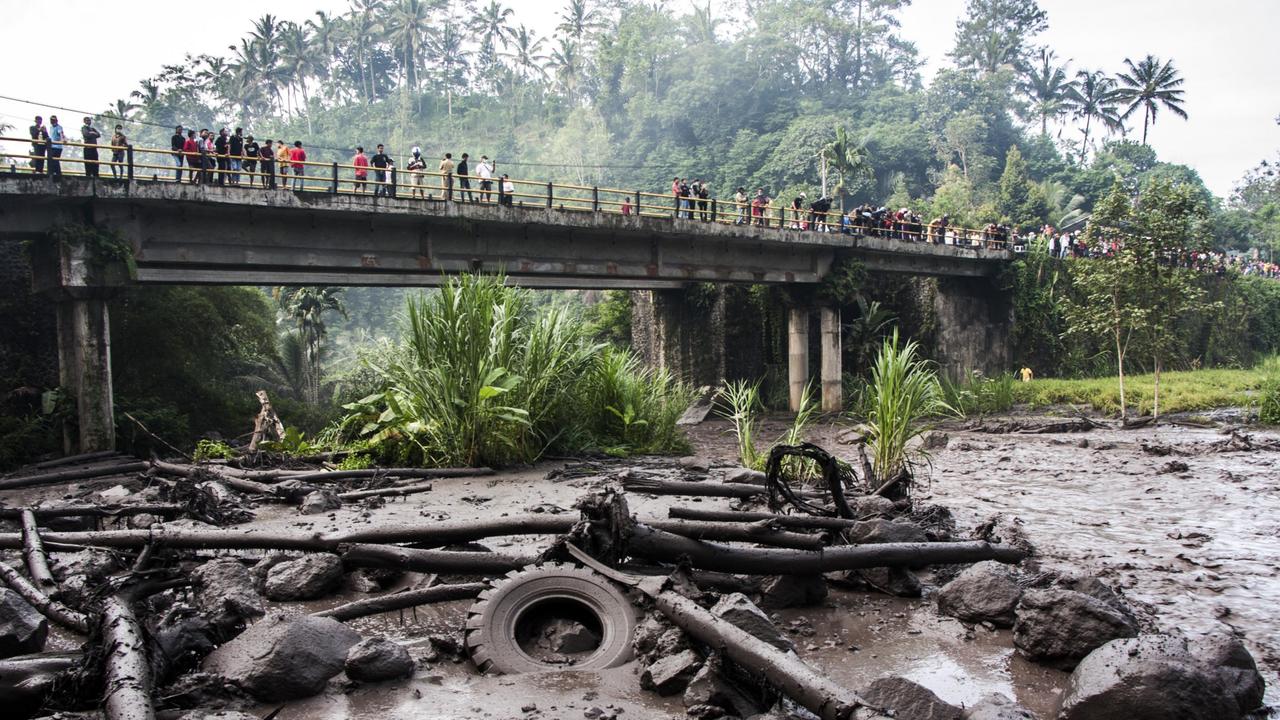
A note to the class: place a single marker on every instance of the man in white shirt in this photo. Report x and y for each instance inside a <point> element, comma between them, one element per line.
<point>485,171</point>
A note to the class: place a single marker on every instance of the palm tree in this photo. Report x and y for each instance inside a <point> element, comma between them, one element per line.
<point>358,32</point>
<point>494,25</point>
<point>300,60</point>
<point>1094,97</point>
<point>407,26</point>
<point>848,159</point>
<point>305,308</point>
<point>579,19</point>
<point>147,94</point>
<point>1050,91</point>
<point>566,61</point>
<point>122,109</point>
<point>1150,84</point>
<point>526,53</point>
<point>324,31</point>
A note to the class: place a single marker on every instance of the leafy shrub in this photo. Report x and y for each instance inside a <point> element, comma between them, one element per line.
<point>212,450</point>
<point>1269,401</point>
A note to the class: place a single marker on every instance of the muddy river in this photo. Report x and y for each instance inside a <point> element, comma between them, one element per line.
<point>1183,522</point>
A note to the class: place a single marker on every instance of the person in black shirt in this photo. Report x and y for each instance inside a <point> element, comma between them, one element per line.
<point>90,136</point>
<point>381,161</point>
<point>704,195</point>
<point>235,147</point>
<point>268,159</point>
<point>220,148</point>
<point>464,180</point>
<point>175,144</point>
<point>251,154</point>
<point>39,144</point>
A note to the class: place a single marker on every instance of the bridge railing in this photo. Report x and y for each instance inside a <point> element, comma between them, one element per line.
<point>146,164</point>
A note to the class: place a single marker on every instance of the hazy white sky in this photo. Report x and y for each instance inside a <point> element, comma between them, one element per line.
<point>1224,49</point>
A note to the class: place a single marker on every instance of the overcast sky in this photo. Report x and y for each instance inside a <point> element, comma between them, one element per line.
<point>1225,50</point>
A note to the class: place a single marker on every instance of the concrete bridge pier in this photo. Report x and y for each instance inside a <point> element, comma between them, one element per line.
<point>975,326</point>
<point>84,371</point>
<point>830,364</point>
<point>681,330</point>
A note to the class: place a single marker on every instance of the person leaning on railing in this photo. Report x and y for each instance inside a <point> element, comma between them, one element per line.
<point>57,136</point>
<point>267,158</point>
<point>39,144</point>
<point>251,151</point>
<point>381,161</point>
<point>118,144</point>
<point>176,145</point>
<point>90,136</point>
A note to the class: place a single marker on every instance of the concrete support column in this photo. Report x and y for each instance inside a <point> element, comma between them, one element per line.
<point>84,370</point>
<point>797,354</point>
<point>974,327</point>
<point>681,331</point>
<point>832,369</point>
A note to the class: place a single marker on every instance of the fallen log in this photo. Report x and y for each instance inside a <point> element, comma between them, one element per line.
<point>127,681</point>
<point>803,522</point>
<point>331,475</point>
<point>786,672</point>
<point>761,533</point>
<point>654,544</point>
<point>33,552</point>
<point>402,600</point>
<point>24,481</point>
<point>438,561</point>
<point>453,532</point>
<point>394,491</point>
<point>698,488</point>
<point>235,483</point>
<point>25,680</point>
<point>55,611</point>
<point>77,459</point>
<point>45,513</point>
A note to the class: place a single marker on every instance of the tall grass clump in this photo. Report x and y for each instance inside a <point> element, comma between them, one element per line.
<point>903,393</point>
<point>978,395</point>
<point>1269,400</point>
<point>483,377</point>
<point>739,401</point>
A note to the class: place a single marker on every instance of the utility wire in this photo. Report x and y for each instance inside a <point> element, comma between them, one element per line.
<point>149,123</point>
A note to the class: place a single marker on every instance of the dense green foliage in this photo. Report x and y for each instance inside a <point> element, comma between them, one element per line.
<point>484,377</point>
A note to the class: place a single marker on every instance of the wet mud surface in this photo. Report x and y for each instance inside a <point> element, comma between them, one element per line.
<point>1188,531</point>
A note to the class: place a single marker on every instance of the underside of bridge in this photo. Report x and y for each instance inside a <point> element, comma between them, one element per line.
<point>181,234</point>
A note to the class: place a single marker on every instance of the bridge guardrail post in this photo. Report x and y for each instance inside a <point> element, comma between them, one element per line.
<point>448,187</point>
<point>715,213</point>
<point>128,152</point>
<point>335,178</point>
<point>550,194</point>
<point>639,212</point>
<point>595,199</point>
<point>393,181</point>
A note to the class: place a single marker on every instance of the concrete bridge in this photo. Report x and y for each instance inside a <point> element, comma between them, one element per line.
<point>205,234</point>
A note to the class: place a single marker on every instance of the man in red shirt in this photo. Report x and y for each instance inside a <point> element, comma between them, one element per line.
<point>191,149</point>
<point>297,156</point>
<point>362,174</point>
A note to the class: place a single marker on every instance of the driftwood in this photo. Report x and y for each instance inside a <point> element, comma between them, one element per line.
<point>653,544</point>
<point>788,673</point>
<point>252,487</point>
<point>77,459</point>
<point>401,600</point>
<point>24,481</point>
<point>33,553</point>
<point>393,491</point>
<point>332,475</point>
<point>26,679</point>
<point>443,561</point>
<point>800,522</point>
<point>762,533</point>
<point>834,475</point>
<point>698,488</point>
<point>55,611</point>
<point>127,681</point>
<point>266,425</point>
<point>58,511</point>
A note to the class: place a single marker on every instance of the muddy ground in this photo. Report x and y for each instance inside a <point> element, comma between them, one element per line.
<point>1187,531</point>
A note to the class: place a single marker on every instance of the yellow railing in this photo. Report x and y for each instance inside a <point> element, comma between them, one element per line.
<point>163,165</point>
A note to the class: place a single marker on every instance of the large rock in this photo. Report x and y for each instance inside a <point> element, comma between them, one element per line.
<point>908,700</point>
<point>1159,676</point>
<point>737,609</point>
<point>183,636</point>
<point>895,581</point>
<point>320,501</point>
<point>710,688</point>
<point>307,578</point>
<point>671,674</point>
<point>985,592</point>
<point>997,707</point>
<point>788,591</point>
<point>1059,627</point>
<point>225,594</point>
<point>885,531</point>
<point>867,505</point>
<point>378,658</point>
<point>22,629</point>
<point>281,658</point>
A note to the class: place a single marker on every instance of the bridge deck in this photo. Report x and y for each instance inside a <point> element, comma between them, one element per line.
<point>186,234</point>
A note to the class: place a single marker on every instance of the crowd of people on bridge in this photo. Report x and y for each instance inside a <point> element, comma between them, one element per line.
<point>232,157</point>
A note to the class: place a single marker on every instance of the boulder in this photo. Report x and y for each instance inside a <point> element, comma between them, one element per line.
<point>745,476</point>
<point>225,594</point>
<point>1060,627</point>
<point>183,636</point>
<point>378,658</point>
<point>23,630</point>
<point>737,609</point>
<point>645,637</point>
<point>885,531</point>
<point>908,700</point>
<point>984,592</point>
<point>788,591</point>
<point>281,658</point>
<point>320,501</point>
<point>307,578</point>
<point>997,707</point>
<point>895,581</point>
<point>866,505</point>
<point>710,688</point>
<point>1160,676</point>
<point>671,674</point>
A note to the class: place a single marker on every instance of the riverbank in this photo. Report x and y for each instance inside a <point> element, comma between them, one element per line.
<point>1185,391</point>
